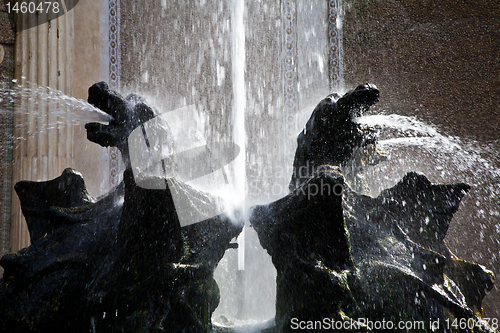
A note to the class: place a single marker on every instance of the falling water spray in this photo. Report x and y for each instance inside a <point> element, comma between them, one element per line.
<point>239,134</point>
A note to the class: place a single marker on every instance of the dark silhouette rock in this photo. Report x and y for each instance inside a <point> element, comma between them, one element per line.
<point>45,284</point>
<point>120,264</point>
<point>349,257</point>
<point>163,276</point>
<point>128,113</point>
<point>345,256</point>
<point>331,135</point>
<point>307,239</point>
<point>66,191</point>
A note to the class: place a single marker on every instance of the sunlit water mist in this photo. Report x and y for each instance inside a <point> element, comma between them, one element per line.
<point>46,108</point>
<point>237,282</point>
<point>230,277</point>
<point>239,106</point>
<point>423,148</point>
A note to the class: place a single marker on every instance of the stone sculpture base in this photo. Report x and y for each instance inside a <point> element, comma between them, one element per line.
<point>120,264</point>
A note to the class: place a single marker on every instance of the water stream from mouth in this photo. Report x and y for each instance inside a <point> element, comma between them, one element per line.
<point>416,146</point>
<point>39,109</point>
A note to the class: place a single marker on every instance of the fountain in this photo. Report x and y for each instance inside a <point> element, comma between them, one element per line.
<point>351,262</point>
<point>120,263</point>
<point>344,260</point>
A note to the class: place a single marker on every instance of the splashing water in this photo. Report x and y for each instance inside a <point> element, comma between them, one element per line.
<point>46,107</point>
<point>416,146</point>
